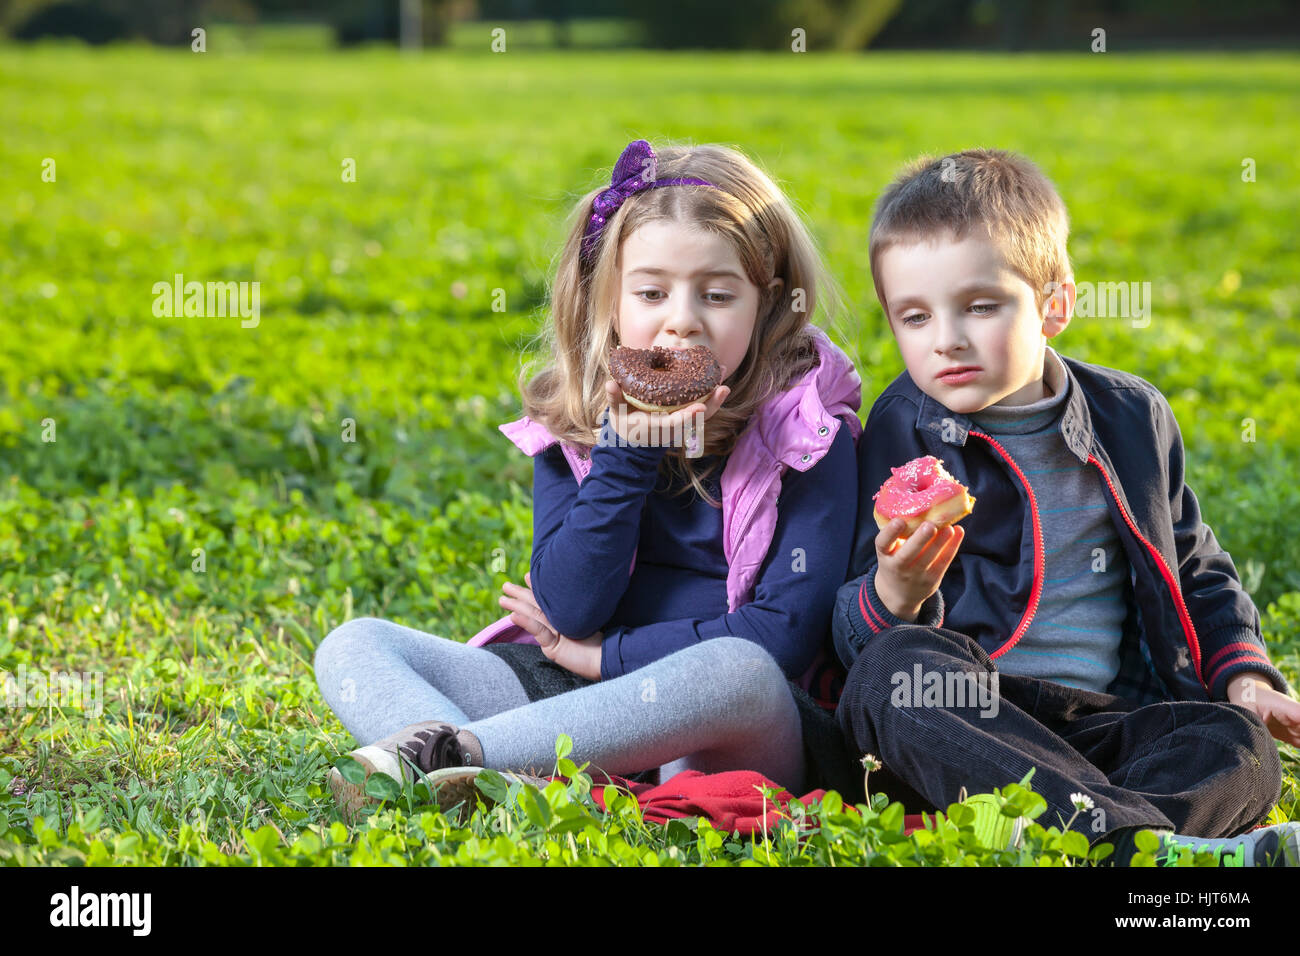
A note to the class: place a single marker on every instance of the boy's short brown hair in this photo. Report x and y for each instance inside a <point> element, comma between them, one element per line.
<point>1001,191</point>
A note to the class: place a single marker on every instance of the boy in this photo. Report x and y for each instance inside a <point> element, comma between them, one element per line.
<point>1125,657</point>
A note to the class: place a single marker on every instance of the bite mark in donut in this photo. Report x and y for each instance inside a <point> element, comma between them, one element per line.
<point>920,491</point>
<point>664,380</point>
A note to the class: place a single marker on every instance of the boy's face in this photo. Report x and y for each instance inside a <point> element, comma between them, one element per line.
<point>681,287</point>
<point>956,304</point>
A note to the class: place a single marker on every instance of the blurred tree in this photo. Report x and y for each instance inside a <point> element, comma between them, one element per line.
<point>356,21</point>
<point>561,13</point>
<point>841,24</point>
<point>756,24</point>
<point>171,21</point>
<point>160,21</point>
<point>1067,24</point>
<point>84,19</point>
<point>762,24</point>
<point>99,21</point>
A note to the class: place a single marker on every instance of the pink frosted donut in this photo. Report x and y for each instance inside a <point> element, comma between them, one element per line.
<point>920,491</point>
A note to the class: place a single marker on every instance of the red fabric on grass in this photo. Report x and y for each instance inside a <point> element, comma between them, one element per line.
<point>730,801</point>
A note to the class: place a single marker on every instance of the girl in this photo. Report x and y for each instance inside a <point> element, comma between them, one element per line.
<point>675,594</point>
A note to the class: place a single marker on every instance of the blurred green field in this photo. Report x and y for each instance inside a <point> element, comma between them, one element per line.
<point>174,434</point>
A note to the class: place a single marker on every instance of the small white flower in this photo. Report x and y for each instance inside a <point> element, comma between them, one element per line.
<point>1081,801</point>
<point>870,762</point>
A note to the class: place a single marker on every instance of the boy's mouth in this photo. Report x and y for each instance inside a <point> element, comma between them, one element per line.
<point>959,374</point>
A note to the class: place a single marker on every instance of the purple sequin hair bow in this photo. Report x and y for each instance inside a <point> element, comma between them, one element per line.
<point>634,171</point>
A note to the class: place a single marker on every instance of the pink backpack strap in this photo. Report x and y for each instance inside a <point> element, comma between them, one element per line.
<point>531,437</point>
<point>503,631</point>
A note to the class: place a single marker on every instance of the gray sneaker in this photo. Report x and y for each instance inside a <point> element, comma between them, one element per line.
<point>405,756</point>
<point>454,787</point>
<point>1278,845</point>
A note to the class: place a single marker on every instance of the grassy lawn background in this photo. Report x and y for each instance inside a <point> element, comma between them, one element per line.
<point>175,434</point>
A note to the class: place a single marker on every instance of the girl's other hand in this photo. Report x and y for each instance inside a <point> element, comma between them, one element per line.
<point>525,612</point>
<point>582,657</point>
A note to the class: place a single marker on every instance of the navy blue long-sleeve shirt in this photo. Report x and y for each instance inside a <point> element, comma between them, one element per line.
<point>584,538</point>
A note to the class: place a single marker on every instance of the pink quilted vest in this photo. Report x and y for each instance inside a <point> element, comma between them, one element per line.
<point>793,429</point>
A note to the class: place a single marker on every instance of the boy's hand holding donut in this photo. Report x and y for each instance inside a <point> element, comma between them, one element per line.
<point>582,657</point>
<point>919,503</point>
<point>911,569</point>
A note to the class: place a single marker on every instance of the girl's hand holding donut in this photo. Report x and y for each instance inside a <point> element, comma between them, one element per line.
<point>628,420</point>
<point>582,657</point>
<point>911,570</point>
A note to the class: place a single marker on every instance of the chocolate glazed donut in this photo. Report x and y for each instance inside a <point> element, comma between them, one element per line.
<point>664,380</point>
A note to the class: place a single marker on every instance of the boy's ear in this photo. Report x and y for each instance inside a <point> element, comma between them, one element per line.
<point>1058,308</point>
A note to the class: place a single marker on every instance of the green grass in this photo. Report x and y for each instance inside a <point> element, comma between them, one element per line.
<point>183,434</point>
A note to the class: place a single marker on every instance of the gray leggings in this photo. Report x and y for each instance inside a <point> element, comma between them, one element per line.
<point>723,704</point>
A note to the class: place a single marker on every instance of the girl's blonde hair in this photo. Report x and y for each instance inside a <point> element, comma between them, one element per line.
<point>567,394</point>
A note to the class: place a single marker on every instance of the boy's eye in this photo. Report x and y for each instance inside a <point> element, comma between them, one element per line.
<point>919,316</point>
<point>990,307</point>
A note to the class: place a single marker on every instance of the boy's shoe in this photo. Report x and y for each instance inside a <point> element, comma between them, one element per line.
<point>993,829</point>
<point>430,745</point>
<point>1278,845</point>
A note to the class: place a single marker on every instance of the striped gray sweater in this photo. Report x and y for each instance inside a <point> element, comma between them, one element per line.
<point>1074,638</point>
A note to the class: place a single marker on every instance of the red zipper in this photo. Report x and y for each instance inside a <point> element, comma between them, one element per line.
<point>1189,632</point>
<point>1037,591</point>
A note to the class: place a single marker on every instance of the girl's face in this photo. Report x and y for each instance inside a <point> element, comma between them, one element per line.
<point>681,287</point>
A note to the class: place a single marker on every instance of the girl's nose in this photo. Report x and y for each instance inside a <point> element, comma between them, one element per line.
<point>684,319</point>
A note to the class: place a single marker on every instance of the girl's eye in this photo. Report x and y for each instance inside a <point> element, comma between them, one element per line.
<point>991,307</point>
<point>919,316</point>
<point>649,292</point>
<point>722,297</point>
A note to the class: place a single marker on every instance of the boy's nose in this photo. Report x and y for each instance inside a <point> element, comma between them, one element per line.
<point>950,336</point>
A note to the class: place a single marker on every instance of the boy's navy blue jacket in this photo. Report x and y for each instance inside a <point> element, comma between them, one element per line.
<point>1188,616</point>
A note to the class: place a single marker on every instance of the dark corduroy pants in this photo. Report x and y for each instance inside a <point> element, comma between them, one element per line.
<point>1202,769</point>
